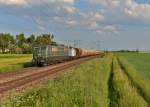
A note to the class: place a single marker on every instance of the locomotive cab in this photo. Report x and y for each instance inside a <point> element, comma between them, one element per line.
<point>39,55</point>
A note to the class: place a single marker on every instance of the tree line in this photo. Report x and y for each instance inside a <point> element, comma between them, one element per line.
<point>21,44</point>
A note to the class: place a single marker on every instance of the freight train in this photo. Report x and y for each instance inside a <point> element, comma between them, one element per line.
<point>51,54</point>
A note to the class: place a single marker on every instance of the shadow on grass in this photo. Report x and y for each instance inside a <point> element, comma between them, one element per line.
<point>113,93</point>
<point>27,64</point>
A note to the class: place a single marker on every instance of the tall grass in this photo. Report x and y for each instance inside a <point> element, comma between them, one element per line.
<point>139,82</point>
<point>12,62</point>
<point>84,86</point>
<point>127,95</point>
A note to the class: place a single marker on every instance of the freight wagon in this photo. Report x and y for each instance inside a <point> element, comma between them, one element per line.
<point>51,54</point>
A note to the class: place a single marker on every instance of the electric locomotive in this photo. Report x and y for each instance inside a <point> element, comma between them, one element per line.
<point>51,54</point>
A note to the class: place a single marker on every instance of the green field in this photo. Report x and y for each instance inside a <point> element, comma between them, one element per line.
<point>141,62</point>
<point>13,62</point>
<point>104,82</point>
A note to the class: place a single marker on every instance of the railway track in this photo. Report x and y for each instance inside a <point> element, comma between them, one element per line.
<point>21,80</point>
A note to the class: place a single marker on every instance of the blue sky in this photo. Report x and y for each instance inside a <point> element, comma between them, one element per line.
<point>143,1</point>
<point>109,24</point>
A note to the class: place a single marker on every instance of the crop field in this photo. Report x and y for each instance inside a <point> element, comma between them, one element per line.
<point>103,82</point>
<point>141,62</point>
<point>13,62</point>
<point>127,87</point>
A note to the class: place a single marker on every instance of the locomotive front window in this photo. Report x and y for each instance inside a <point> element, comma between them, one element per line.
<point>40,51</point>
<point>43,51</point>
<point>36,51</point>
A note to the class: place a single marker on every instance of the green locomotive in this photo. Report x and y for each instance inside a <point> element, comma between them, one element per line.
<point>50,54</point>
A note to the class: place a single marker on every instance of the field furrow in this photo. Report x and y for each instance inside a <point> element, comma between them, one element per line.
<point>123,93</point>
<point>113,94</point>
<point>143,86</point>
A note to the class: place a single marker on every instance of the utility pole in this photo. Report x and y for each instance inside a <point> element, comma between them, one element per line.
<point>76,43</point>
<point>67,42</point>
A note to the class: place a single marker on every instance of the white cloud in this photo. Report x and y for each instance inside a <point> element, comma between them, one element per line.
<point>70,9</point>
<point>92,18</point>
<point>35,2</point>
<point>130,13</point>
<point>137,10</point>
<point>71,22</point>
<point>111,28</point>
<point>13,2</point>
<point>93,23</point>
<point>57,6</point>
<point>65,13</point>
<point>58,1</point>
<point>42,11</point>
<point>105,29</point>
<point>96,17</point>
<point>65,21</point>
<point>126,8</point>
<point>68,1</point>
<point>109,3</point>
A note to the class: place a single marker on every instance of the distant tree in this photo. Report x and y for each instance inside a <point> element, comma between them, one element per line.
<point>26,48</point>
<point>45,39</point>
<point>5,40</point>
<point>137,50</point>
<point>20,39</point>
<point>31,39</point>
<point>39,40</point>
<point>21,44</point>
<point>18,50</point>
<point>14,49</point>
